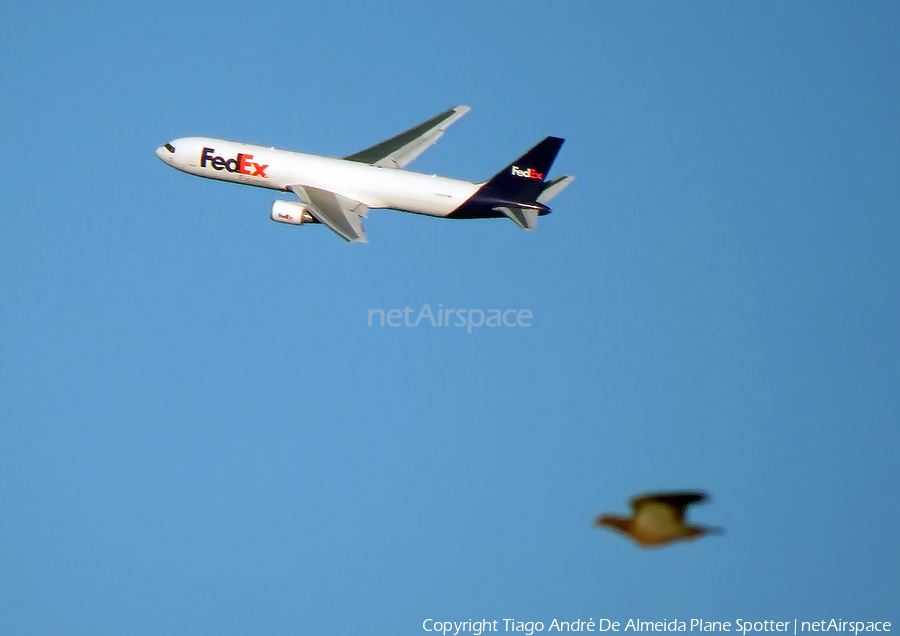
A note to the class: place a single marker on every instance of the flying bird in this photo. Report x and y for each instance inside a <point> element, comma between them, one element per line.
<point>658,519</point>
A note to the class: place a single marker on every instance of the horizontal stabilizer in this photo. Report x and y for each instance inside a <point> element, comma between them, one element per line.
<point>553,188</point>
<point>525,218</point>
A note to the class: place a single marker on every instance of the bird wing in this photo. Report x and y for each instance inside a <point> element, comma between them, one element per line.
<point>678,501</point>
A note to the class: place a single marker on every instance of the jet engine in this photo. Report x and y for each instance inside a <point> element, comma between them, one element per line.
<point>291,213</point>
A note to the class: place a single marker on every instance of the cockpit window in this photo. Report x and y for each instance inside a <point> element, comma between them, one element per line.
<point>170,148</point>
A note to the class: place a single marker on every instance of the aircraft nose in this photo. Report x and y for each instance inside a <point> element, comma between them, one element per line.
<point>166,152</point>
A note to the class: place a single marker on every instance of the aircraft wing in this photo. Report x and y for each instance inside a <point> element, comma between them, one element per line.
<point>399,151</point>
<point>338,213</point>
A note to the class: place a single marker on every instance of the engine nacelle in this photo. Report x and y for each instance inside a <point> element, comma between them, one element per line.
<point>291,213</point>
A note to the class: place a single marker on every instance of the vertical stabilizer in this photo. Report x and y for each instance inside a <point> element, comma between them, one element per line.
<point>523,179</point>
<point>519,191</point>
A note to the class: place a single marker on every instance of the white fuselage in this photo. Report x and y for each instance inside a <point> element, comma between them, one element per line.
<point>276,169</point>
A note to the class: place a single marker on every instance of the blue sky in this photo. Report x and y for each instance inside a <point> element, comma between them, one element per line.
<point>200,435</point>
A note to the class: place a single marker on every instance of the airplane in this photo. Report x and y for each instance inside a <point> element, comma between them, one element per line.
<point>338,193</point>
